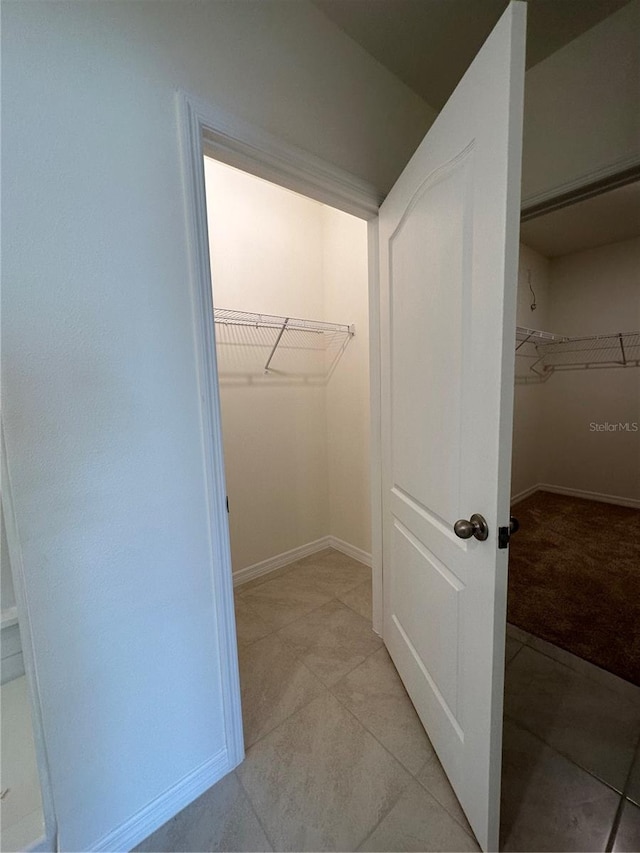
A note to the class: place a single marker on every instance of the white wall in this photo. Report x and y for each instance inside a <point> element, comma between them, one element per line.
<point>581,107</point>
<point>100,397</point>
<point>594,292</point>
<point>597,291</point>
<point>528,397</point>
<point>348,412</point>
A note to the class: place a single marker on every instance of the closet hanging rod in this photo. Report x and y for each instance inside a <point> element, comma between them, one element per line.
<point>228,317</point>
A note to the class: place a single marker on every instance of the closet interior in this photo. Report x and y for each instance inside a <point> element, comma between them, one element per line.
<point>574,577</point>
<point>290,295</point>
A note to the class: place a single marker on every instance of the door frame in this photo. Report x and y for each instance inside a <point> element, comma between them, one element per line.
<point>207,130</point>
<point>49,840</point>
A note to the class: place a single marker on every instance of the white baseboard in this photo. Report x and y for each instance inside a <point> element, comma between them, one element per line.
<point>350,550</point>
<point>525,494</point>
<point>576,493</point>
<point>280,560</point>
<point>42,845</point>
<point>287,557</point>
<point>133,831</point>
<point>590,496</point>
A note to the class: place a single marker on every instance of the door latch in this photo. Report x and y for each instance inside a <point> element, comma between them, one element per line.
<point>505,533</point>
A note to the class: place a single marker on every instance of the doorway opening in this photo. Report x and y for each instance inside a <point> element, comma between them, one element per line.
<point>290,295</point>
<point>576,465</point>
<point>572,698</point>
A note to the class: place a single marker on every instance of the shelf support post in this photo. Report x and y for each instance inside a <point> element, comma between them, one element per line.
<point>275,346</point>
<point>624,357</point>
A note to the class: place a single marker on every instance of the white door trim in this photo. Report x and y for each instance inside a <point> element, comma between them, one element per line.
<point>50,840</point>
<point>375,392</point>
<point>207,129</point>
<point>238,143</point>
<point>601,175</point>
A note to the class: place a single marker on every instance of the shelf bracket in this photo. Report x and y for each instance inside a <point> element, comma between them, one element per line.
<point>275,346</point>
<point>624,357</point>
<point>522,343</point>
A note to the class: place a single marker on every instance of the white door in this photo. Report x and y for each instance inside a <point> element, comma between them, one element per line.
<point>448,273</point>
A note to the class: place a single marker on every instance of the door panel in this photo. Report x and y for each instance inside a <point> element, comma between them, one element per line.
<point>426,337</point>
<point>448,275</point>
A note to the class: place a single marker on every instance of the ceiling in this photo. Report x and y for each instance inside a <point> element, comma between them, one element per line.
<point>606,218</point>
<point>429,44</point>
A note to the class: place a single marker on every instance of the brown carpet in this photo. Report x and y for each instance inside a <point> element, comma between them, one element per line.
<point>574,578</point>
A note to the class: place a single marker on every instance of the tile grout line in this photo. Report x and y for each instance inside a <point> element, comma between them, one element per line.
<point>353,608</point>
<point>414,776</point>
<point>304,616</point>
<point>623,798</point>
<point>451,815</point>
<point>509,662</point>
<point>619,690</point>
<point>300,659</point>
<point>353,668</point>
<point>288,624</point>
<point>403,792</point>
<point>253,809</point>
<point>252,642</point>
<point>634,764</point>
<point>295,711</point>
<point>397,761</point>
<point>568,758</point>
<point>362,726</point>
<point>614,826</point>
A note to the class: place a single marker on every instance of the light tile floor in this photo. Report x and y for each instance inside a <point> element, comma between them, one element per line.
<point>21,817</point>
<point>336,758</point>
<point>572,730</point>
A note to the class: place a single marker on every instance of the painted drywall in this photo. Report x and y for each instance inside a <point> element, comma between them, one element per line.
<point>7,594</point>
<point>597,291</point>
<point>527,449</point>
<point>101,406</point>
<point>266,257</point>
<point>581,106</point>
<point>347,395</point>
<point>594,292</point>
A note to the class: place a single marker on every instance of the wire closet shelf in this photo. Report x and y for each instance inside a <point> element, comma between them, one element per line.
<point>288,345</point>
<point>550,352</point>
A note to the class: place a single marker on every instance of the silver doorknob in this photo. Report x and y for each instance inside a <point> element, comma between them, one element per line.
<point>476,526</point>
